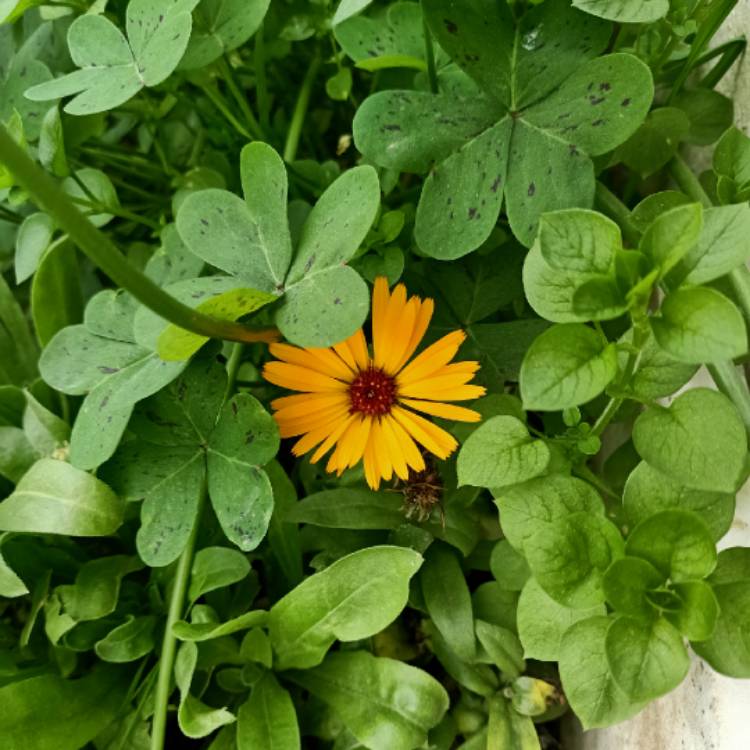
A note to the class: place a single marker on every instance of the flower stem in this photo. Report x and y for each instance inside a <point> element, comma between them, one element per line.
<point>102,251</point>
<point>169,643</point>
<point>687,181</point>
<point>252,123</point>
<point>300,111</point>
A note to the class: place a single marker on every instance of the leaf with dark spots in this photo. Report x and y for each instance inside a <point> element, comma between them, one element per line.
<point>545,78</point>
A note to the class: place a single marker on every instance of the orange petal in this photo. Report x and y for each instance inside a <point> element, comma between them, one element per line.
<point>395,451</point>
<point>411,453</point>
<point>354,351</point>
<point>424,315</point>
<point>433,438</point>
<point>299,425</point>
<point>446,411</point>
<point>331,439</point>
<point>302,404</point>
<point>434,357</point>
<point>382,340</point>
<point>399,334</point>
<point>324,361</point>
<point>298,378</point>
<point>428,387</point>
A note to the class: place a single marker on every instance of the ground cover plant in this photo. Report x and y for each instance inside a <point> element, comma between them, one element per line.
<point>342,369</point>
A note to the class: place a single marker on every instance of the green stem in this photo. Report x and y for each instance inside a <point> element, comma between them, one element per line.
<point>429,50</point>
<point>95,207</point>
<point>218,101</point>
<point>261,79</point>
<point>300,111</point>
<point>616,402</point>
<point>687,181</point>
<point>233,366</point>
<point>729,381</point>
<point>102,251</point>
<point>728,54</point>
<point>253,125</point>
<point>169,644</point>
<point>610,204</point>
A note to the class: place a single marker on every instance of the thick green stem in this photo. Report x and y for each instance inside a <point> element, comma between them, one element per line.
<point>611,205</point>
<point>687,181</point>
<point>300,111</point>
<point>732,384</point>
<point>169,644</point>
<point>100,249</point>
<point>739,278</point>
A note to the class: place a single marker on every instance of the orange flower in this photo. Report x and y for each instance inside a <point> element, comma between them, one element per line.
<point>363,404</point>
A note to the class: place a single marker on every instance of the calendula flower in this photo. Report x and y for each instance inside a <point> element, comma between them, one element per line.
<point>364,405</point>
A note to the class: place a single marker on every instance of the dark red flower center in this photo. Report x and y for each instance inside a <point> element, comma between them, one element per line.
<point>372,392</point>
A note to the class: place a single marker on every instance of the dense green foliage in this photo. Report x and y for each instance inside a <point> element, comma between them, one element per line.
<point>170,574</point>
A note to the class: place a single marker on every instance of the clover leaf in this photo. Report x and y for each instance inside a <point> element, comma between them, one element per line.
<point>323,300</point>
<point>185,437</point>
<point>548,104</point>
<point>221,26</point>
<point>112,68</point>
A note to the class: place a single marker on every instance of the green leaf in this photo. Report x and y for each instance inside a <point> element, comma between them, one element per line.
<point>508,567</point>
<point>17,454</point>
<point>116,374</point>
<point>723,245</point>
<point>220,26</point>
<point>658,374</point>
<point>20,74</point>
<point>74,711</point>
<point>176,344</point>
<point>699,441</point>
<point>627,583</point>
<point>499,453</point>
<point>97,587</point>
<point>33,238</point>
<point>57,278</point>
<point>587,678</point>
<point>283,537</point>
<point>215,568</point>
<point>206,631</point>
<point>456,194</point>
<point>655,141</point>
<point>625,11</point>
<point>728,649</point>
<point>268,719</point>
<point>710,114</point>
<point>654,205</point>
<point>732,163</point>
<point>699,611</point>
<point>698,325</point>
<point>195,718</point>
<point>361,689</point>
<point>542,622</point>
<point>541,503</point>
<point>502,647</point>
<point>112,68</point>
<point>569,558</point>
<point>56,498</point>
<point>448,601</point>
<point>348,8</point>
<point>51,147</point>
<point>545,78</point>
<point>99,188</point>
<point>676,542</point>
<point>11,585</point>
<point>354,598</point>
<point>671,236</point>
<point>245,438</point>
<point>129,641</point>
<point>648,491</point>
<point>647,659</point>
<point>566,366</point>
<point>349,508</point>
<point>507,728</point>
<point>574,249</point>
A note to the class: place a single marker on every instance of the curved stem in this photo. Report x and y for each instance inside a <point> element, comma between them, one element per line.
<point>300,111</point>
<point>687,181</point>
<point>169,643</point>
<point>102,251</point>
<point>607,202</point>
